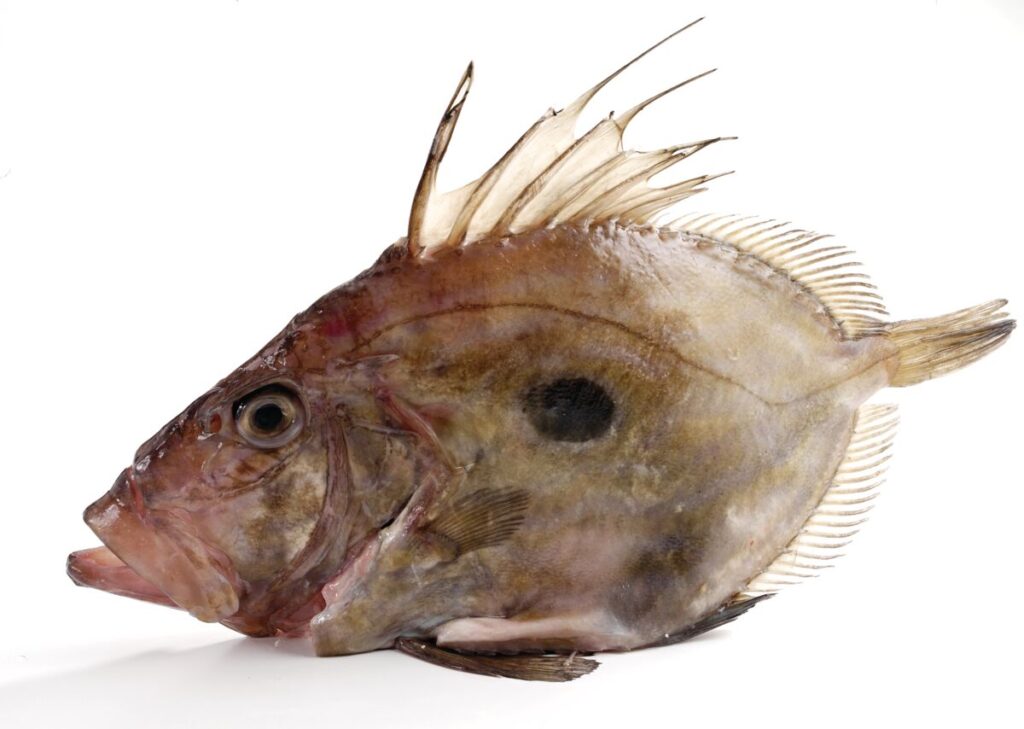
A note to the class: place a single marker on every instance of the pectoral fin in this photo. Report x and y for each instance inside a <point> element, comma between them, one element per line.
<point>480,519</point>
<point>412,572</point>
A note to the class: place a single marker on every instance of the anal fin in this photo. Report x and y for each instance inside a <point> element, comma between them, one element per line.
<point>843,507</point>
<point>725,614</point>
<point>544,667</point>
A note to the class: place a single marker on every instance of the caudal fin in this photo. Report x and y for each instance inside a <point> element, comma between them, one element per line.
<point>932,347</point>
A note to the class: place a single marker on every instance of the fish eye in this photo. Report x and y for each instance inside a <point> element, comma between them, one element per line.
<point>573,409</point>
<point>270,416</point>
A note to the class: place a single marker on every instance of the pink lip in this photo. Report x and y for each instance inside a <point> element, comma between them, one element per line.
<point>100,568</point>
<point>151,555</point>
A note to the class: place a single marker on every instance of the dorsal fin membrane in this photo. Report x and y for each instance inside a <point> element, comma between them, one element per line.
<point>549,176</point>
<point>824,270</point>
<point>843,507</point>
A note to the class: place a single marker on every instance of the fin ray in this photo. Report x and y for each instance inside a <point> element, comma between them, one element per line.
<point>555,668</point>
<point>834,522</point>
<point>811,260</point>
<point>424,201</point>
<point>482,518</point>
<point>549,175</point>
<point>929,348</point>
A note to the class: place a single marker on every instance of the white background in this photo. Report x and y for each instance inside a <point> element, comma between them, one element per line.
<point>179,178</point>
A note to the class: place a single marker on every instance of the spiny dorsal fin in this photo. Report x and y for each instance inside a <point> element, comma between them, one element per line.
<point>843,507</point>
<point>423,202</point>
<point>549,176</point>
<point>482,518</point>
<point>810,259</point>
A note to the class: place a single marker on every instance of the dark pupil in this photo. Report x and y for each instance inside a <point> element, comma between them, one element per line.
<point>268,418</point>
<point>570,409</point>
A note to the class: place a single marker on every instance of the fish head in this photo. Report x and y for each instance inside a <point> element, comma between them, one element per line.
<point>227,510</point>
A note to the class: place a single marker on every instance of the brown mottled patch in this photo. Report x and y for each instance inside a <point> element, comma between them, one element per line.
<point>288,510</point>
<point>654,574</point>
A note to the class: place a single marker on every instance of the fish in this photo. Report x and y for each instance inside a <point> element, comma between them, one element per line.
<point>555,418</point>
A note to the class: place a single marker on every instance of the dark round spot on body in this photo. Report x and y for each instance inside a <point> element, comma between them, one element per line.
<point>268,418</point>
<point>570,409</point>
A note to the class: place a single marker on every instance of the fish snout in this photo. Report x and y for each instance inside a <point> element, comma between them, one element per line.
<point>100,568</point>
<point>153,549</point>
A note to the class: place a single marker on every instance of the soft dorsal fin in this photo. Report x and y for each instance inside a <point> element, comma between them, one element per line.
<point>843,507</point>
<point>549,176</point>
<point>811,260</point>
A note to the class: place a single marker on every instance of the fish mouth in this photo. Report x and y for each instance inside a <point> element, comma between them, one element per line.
<point>154,555</point>
<point>102,569</point>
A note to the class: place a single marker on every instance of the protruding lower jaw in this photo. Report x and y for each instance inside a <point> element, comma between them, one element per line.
<point>151,557</point>
<point>100,568</point>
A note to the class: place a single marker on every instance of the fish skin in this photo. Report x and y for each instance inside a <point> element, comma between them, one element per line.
<point>586,528</point>
<point>231,502</point>
<point>419,499</point>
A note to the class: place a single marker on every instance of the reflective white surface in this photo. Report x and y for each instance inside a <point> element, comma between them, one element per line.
<point>176,182</point>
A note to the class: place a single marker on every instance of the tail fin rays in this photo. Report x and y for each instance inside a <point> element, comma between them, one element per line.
<point>929,348</point>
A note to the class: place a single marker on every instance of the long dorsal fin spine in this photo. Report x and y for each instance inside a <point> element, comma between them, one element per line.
<point>460,228</point>
<point>590,93</point>
<point>428,180</point>
<point>538,181</point>
<point>530,192</point>
<point>627,116</point>
<point>579,199</point>
<point>657,199</point>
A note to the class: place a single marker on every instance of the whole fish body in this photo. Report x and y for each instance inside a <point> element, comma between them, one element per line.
<point>546,421</point>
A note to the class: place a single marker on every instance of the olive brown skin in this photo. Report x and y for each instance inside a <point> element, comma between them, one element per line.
<point>538,423</point>
<point>665,413</point>
<point>732,397</point>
